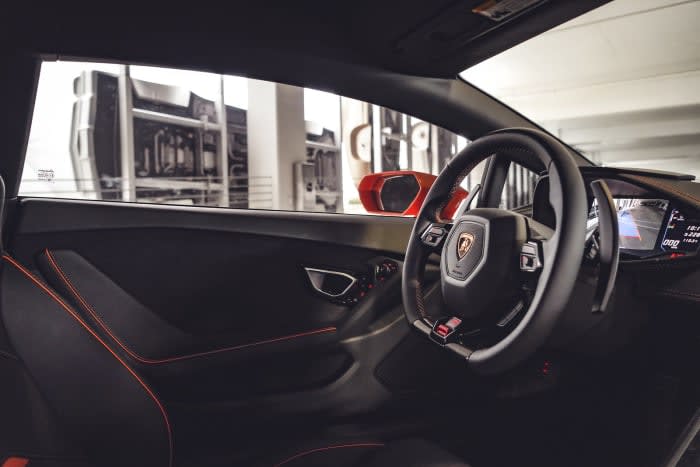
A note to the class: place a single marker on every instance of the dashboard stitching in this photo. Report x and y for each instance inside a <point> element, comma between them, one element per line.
<point>666,187</point>
<point>681,292</point>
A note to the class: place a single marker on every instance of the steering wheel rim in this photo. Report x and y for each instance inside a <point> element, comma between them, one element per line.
<point>562,248</point>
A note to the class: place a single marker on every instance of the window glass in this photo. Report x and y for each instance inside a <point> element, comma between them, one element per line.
<point>158,135</point>
<point>519,187</point>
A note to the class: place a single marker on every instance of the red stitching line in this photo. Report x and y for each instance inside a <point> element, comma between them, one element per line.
<point>87,306</point>
<point>63,305</point>
<point>328,448</point>
<point>150,361</point>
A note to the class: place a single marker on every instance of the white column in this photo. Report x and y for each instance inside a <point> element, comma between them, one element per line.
<point>223,146</point>
<point>276,135</point>
<point>126,135</point>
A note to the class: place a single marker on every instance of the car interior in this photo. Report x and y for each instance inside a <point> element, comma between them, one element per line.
<point>457,331</point>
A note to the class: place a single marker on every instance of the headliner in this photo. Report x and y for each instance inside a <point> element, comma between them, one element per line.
<point>434,38</point>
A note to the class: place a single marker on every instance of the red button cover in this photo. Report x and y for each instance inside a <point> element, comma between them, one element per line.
<point>443,330</point>
<point>453,323</point>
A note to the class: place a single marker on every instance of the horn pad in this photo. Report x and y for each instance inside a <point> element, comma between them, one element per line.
<point>480,259</point>
<point>464,250</point>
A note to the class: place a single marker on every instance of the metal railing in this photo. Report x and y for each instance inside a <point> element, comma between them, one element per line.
<point>243,191</point>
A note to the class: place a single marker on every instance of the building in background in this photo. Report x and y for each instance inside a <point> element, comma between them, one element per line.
<point>157,135</point>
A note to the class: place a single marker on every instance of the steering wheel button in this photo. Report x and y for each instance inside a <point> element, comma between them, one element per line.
<point>453,323</point>
<point>529,249</point>
<point>433,235</point>
<point>442,330</point>
<point>529,257</point>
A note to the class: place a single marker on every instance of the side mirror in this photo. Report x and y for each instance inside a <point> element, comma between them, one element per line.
<point>401,193</point>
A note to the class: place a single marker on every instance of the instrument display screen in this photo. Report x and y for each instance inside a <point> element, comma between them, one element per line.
<point>639,220</point>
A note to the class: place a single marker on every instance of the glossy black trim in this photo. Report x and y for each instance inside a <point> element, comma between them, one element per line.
<point>46,215</point>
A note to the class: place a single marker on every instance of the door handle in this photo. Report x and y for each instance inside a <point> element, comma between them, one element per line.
<point>333,284</point>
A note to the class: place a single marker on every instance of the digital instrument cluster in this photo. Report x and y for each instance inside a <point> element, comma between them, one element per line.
<point>651,227</point>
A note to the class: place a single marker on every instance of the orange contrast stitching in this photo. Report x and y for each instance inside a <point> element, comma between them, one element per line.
<point>150,361</point>
<point>63,305</point>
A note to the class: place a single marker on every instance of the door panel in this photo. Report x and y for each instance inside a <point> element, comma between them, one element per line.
<point>215,296</point>
<point>184,310</point>
<point>214,309</point>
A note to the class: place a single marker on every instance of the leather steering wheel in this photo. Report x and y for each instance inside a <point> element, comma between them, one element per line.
<point>505,278</point>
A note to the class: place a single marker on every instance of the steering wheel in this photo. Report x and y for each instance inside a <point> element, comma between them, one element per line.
<point>505,278</point>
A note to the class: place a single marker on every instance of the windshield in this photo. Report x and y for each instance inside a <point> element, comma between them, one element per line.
<point>620,83</point>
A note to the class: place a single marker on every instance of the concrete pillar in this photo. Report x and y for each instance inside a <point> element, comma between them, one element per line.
<point>354,124</point>
<point>276,135</point>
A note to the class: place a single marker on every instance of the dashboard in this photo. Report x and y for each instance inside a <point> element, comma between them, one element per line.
<point>658,217</point>
<point>654,225</point>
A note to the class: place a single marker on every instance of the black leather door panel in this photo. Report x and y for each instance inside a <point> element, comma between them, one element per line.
<point>207,283</point>
<point>187,367</point>
<point>142,334</point>
<point>214,309</point>
<point>214,306</point>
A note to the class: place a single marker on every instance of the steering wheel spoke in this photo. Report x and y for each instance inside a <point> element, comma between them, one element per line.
<point>433,237</point>
<point>531,257</point>
<point>450,332</point>
<point>536,250</point>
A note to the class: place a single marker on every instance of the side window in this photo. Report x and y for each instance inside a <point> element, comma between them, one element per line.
<point>155,135</point>
<point>519,187</point>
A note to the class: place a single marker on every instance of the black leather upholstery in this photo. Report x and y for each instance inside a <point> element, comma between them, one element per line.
<point>106,406</point>
<point>136,332</point>
<point>28,426</point>
<point>170,359</point>
<point>112,412</point>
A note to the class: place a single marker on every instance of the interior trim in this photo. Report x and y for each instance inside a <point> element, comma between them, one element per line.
<point>80,321</point>
<point>333,273</point>
<point>47,215</point>
<point>149,361</point>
